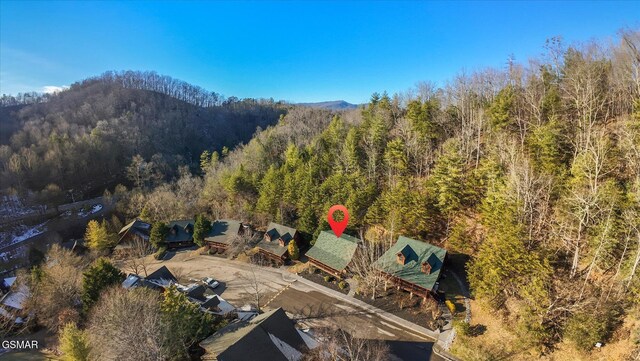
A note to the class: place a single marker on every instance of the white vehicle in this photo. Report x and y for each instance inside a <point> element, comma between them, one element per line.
<point>211,282</point>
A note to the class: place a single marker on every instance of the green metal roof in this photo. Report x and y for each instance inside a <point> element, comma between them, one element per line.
<point>223,231</point>
<point>415,252</point>
<point>335,252</point>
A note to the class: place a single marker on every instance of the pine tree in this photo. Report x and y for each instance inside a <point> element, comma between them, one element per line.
<point>74,343</point>
<point>201,227</point>
<point>99,276</point>
<point>448,179</point>
<point>159,232</point>
<point>504,266</point>
<point>183,323</point>
<point>270,193</point>
<point>500,110</point>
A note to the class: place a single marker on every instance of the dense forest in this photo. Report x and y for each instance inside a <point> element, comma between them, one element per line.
<point>533,171</point>
<point>88,134</point>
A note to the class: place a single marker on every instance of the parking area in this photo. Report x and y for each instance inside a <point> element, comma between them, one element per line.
<point>240,283</point>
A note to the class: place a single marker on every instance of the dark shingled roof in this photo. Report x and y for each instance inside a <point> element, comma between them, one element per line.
<point>162,273</point>
<point>197,293</point>
<point>415,252</point>
<point>276,232</point>
<point>272,247</point>
<point>254,340</point>
<point>133,281</point>
<point>178,231</point>
<point>137,227</point>
<point>335,252</point>
<point>211,303</point>
<point>223,231</point>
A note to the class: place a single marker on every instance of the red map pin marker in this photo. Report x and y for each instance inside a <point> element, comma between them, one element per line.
<point>338,227</point>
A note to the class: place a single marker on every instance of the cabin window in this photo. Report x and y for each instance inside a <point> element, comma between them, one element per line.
<point>281,241</point>
<point>400,258</point>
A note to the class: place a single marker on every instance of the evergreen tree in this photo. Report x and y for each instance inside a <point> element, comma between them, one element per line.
<point>183,323</point>
<point>448,179</point>
<point>201,228</point>
<point>500,111</point>
<point>396,158</point>
<point>270,193</point>
<point>504,266</point>
<point>158,234</point>
<point>422,117</point>
<point>99,276</point>
<point>550,150</point>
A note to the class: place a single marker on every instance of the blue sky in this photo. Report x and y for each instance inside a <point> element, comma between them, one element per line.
<point>296,51</point>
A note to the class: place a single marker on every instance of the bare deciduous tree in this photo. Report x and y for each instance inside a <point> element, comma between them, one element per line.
<point>126,325</point>
<point>369,278</point>
<point>338,345</point>
<point>55,296</point>
<point>137,260</point>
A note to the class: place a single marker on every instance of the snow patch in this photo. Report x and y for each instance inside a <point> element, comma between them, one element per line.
<point>95,209</point>
<point>19,234</point>
<point>287,350</point>
<point>16,299</point>
<point>308,340</point>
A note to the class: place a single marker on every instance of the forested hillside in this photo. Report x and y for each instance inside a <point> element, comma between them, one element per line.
<point>533,171</point>
<point>89,133</point>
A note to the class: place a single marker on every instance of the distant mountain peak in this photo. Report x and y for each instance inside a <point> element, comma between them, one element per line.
<point>331,105</point>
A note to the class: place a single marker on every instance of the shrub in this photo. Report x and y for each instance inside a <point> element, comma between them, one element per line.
<point>585,329</point>
<point>463,328</point>
<point>160,253</point>
<point>343,285</point>
<point>328,278</point>
<point>451,306</point>
<point>294,252</point>
<point>312,269</point>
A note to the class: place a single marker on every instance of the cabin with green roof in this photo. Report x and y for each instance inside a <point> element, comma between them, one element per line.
<point>412,265</point>
<point>333,254</point>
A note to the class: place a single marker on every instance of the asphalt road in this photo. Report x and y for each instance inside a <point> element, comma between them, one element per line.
<point>307,305</point>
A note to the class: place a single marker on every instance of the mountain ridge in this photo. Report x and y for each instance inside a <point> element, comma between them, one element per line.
<point>330,105</point>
